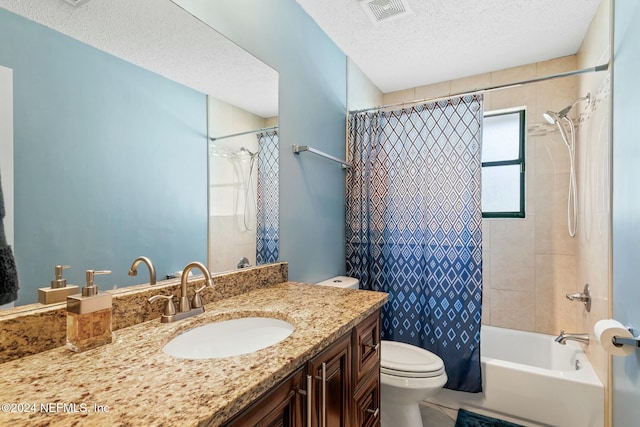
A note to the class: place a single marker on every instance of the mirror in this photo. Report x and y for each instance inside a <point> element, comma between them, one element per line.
<point>244,196</point>
<point>110,134</point>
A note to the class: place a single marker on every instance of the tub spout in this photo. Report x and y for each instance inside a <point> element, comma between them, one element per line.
<point>563,338</point>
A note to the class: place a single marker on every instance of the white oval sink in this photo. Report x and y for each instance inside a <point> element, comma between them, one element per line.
<point>229,338</point>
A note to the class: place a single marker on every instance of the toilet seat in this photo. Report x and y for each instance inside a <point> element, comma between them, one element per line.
<point>408,361</point>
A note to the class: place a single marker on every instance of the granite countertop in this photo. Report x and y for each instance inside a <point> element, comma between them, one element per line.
<point>132,382</point>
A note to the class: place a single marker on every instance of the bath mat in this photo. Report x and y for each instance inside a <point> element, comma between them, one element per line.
<point>470,419</point>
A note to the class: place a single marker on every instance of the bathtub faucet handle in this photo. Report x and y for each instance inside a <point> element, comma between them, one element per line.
<point>584,297</point>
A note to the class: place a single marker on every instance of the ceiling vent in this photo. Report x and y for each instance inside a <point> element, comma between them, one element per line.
<point>76,3</point>
<point>385,10</point>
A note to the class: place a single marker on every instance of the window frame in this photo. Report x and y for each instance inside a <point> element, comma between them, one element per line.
<point>519,161</point>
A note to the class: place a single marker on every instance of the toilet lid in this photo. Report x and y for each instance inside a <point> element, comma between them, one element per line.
<point>405,360</point>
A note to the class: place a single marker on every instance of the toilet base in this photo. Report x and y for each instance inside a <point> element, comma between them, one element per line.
<point>398,414</point>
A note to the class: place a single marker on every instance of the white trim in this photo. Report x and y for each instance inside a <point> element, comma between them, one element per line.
<point>6,148</point>
<point>6,153</point>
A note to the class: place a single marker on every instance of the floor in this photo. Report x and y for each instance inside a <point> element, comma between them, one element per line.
<point>437,416</point>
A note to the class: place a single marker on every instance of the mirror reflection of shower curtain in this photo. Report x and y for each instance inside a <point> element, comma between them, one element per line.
<point>268,204</point>
<point>414,227</point>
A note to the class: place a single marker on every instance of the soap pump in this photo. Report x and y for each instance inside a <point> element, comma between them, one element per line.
<point>89,316</point>
<point>59,290</point>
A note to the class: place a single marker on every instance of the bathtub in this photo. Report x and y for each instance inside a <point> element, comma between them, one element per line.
<point>529,379</point>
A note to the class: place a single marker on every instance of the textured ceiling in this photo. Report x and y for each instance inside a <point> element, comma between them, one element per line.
<point>161,37</point>
<point>448,39</point>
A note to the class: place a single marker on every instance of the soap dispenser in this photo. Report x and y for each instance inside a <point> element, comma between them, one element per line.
<point>89,316</point>
<point>59,290</point>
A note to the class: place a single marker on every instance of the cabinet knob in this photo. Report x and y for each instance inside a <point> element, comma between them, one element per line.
<point>374,412</point>
<point>374,347</point>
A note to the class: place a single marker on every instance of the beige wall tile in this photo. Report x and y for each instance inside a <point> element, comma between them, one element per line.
<point>400,96</point>
<point>556,65</point>
<point>513,309</point>
<point>486,235</point>
<point>531,167</point>
<point>551,193</point>
<point>512,261</point>
<point>556,277</point>
<point>486,294</point>
<point>512,98</point>
<point>555,95</point>
<point>552,236</point>
<point>512,75</point>
<point>551,154</point>
<point>433,91</point>
<point>472,83</point>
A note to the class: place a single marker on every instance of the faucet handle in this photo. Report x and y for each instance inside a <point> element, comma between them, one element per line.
<point>196,302</point>
<point>169,307</point>
<point>584,297</point>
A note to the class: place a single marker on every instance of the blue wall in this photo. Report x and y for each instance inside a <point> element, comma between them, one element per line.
<point>110,162</point>
<point>626,204</point>
<point>312,111</point>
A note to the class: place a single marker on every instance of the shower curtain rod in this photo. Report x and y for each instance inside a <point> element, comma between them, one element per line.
<point>244,133</point>
<point>597,68</point>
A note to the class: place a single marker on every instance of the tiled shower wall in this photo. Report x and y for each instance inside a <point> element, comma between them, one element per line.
<point>594,177</point>
<point>528,264</point>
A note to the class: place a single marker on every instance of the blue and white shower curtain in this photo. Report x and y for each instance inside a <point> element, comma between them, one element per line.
<point>268,205</point>
<point>413,227</point>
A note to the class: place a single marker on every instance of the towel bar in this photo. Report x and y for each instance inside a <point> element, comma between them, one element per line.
<point>297,149</point>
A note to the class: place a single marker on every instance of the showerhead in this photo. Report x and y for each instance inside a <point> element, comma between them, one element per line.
<point>552,117</point>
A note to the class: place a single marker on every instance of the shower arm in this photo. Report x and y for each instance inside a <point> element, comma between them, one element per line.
<point>563,113</point>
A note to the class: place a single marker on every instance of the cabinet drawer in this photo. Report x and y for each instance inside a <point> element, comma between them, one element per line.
<point>366,346</point>
<point>366,402</point>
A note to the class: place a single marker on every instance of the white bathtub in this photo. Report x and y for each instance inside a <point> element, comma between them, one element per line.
<point>529,379</point>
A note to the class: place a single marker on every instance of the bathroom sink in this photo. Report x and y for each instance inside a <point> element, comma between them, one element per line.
<point>229,338</point>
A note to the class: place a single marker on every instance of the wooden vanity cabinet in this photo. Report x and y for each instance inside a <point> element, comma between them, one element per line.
<point>345,387</point>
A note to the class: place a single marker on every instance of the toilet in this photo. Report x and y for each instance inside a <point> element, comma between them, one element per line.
<point>341,282</point>
<point>408,374</point>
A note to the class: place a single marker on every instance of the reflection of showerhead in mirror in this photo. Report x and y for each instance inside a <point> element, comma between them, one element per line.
<point>251,153</point>
<point>552,117</point>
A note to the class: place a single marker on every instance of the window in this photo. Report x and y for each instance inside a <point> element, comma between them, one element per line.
<point>503,165</point>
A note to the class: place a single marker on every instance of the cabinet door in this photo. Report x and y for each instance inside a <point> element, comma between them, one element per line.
<point>366,347</point>
<point>280,407</point>
<point>366,402</point>
<point>331,372</point>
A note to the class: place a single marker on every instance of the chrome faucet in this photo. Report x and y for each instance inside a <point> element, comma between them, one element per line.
<point>563,338</point>
<point>133,271</point>
<point>186,308</point>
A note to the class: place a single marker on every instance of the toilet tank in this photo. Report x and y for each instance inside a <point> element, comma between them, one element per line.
<point>341,282</point>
